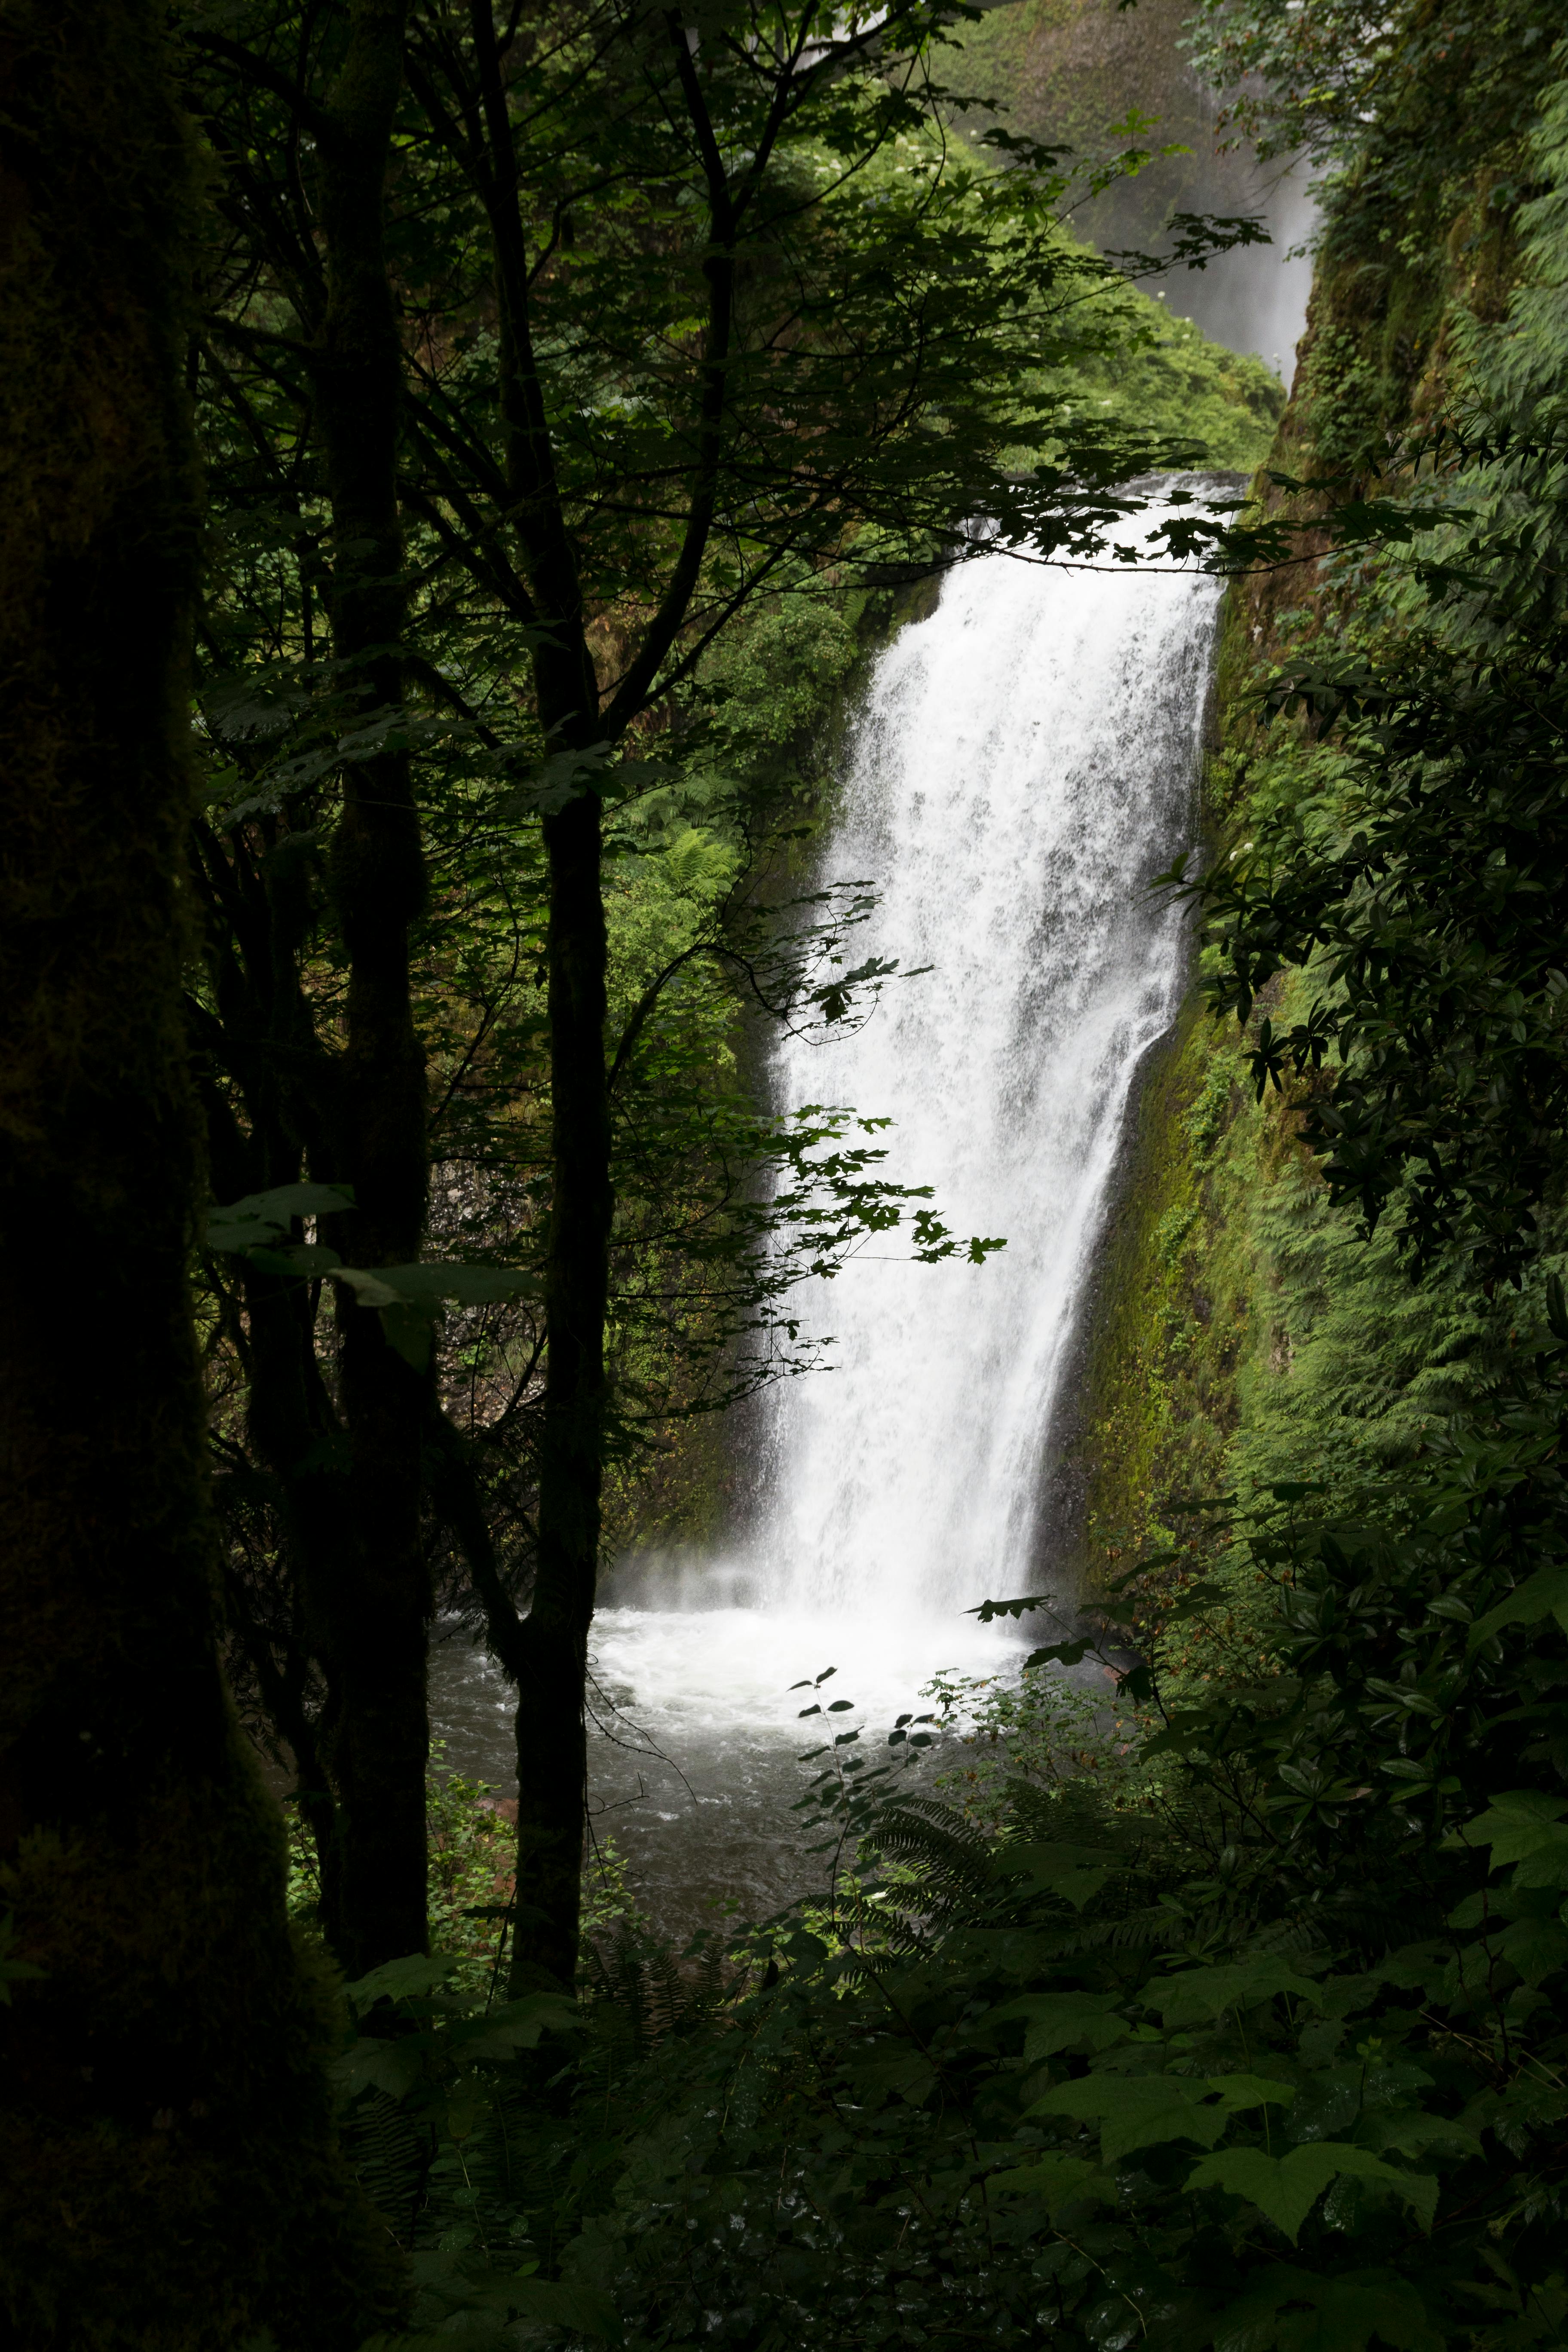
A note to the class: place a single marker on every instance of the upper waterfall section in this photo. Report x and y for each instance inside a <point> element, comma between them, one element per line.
<point>1023,765</point>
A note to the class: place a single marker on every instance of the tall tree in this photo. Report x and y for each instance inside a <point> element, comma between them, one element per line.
<point>166,2130</point>
<point>346,1096</point>
<point>377,1602</point>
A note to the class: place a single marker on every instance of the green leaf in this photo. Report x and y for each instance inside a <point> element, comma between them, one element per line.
<point>1049,1866</point>
<point>1411,2133</point>
<point>1548,1864</point>
<point>1057,2181</point>
<point>564,2305</point>
<point>409,1298</point>
<point>370,1286</point>
<point>260,1217</point>
<point>1238,2092</point>
<point>1286,2188</point>
<point>1516,1825</point>
<point>520,2023</point>
<point>479,2301</point>
<point>405,1980</point>
<point>1201,1993</point>
<point>465,1286</point>
<point>1136,2110</point>
<point>303,1260</point>
<point>1536,1948</point>
<point>1067,2020</point>
<point>1544,1595</point>
<point>1080,1886</point>
<point>373,2064</point>
<point>899,2073</point>
<point>429,1285</point>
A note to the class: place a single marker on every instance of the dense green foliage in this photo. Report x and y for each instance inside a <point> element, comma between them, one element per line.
<point>1405,99</point>
<point>1172,378</point>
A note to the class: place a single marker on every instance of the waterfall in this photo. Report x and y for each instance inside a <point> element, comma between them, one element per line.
<point>1024,763</point>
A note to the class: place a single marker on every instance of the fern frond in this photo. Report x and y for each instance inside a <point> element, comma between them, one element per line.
<point>390,2154</point>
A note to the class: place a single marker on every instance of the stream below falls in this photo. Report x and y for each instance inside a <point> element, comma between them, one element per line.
<point>1023,762</point>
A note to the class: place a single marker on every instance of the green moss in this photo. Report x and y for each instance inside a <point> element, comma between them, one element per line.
<point>1244,1331</point>
<point>1171,1318</point>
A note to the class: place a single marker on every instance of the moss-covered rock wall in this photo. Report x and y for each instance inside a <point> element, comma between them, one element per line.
<point>1240,1330</point>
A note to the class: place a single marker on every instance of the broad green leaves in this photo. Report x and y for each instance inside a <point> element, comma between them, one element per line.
<point>409,1298</point>
<point>1067,2020</point>
<point>1239,2093</point>
<point>1137,2111</point>
<point>1204,1993</point>
<point>1286,2188</point>
<point>1524,1826</point>
<point>1057,2182</point>
<point>1544,1595</point>
<point>262,1218</point>
<point>471,2302</point>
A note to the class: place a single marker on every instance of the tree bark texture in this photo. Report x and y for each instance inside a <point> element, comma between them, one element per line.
<point>166,2140</point>
<point>374,1608</point>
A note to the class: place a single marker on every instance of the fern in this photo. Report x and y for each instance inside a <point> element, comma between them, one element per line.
<point>391,2153</point>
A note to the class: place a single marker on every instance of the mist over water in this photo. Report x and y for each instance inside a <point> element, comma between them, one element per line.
<point>1024,763</point>
<point>1254,298</point>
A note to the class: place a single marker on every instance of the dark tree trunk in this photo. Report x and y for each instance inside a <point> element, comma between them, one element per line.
<point>165,2128</point>
<point>553,1654</point>
<point>548,1651</point>
<point>374,1608</point>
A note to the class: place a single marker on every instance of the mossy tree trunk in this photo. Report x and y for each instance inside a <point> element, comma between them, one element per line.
<point>166,2138</point>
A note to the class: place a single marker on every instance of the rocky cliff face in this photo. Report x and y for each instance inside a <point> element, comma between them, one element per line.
<point>1241,1326</point>
<point>1072,73</point>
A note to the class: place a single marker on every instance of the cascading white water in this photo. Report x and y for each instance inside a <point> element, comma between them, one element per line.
<point>1025,764</point>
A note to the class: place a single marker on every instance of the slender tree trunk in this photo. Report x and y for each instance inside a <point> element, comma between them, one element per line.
<point>548,1651</point>
<point>375,1608</point>
<point>552,1656</point>
<point>165,2128</point>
